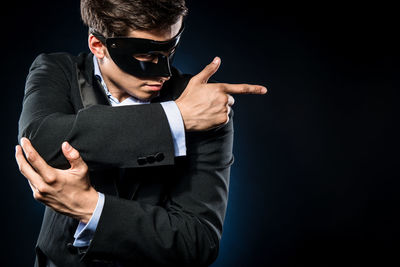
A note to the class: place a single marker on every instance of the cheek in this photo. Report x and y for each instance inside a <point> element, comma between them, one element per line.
<point>128,81</point>
<point>112,71</point>
<point>122,79</point>
<point>110,67</point>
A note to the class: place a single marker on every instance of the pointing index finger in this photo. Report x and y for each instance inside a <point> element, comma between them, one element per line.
<point>244,89</point>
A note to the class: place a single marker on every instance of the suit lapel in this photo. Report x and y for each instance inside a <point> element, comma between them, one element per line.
<point>89,88</point>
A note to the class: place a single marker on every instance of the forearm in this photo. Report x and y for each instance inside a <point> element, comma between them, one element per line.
<point>114,138</point>
<point>152,234</point>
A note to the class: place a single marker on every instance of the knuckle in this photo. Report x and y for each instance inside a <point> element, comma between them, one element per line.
<point>42,189</point>
<point>30,156</point>
<point>219,87</point>
<point>224,119</point>
<point>226,99</point>
<point>50,179</point>
<point>37,196</point>
<point>223,98</point>
<point>83,168</point>
<point>74,154</point>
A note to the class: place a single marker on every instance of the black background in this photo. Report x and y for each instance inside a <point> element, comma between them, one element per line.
<point>315,181</point>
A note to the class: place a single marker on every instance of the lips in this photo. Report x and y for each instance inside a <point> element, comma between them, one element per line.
<point>154,86</point>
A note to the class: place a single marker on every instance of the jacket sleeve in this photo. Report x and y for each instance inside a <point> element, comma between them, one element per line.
<point>104,135</point>
<point>186,230</point>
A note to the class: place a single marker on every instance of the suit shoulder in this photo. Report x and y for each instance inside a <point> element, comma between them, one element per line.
<point>62,59</point>
<point>61,63</point>
<point>54,57</point>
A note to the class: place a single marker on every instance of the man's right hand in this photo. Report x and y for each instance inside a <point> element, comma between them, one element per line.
<point>204,106</point>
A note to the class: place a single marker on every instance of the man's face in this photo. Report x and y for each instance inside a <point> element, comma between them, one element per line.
<point>123,85</point>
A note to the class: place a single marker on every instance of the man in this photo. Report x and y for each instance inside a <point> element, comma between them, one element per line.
<point>143,172</point>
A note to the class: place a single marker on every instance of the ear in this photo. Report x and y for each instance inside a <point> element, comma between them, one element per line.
<point>96,47</point>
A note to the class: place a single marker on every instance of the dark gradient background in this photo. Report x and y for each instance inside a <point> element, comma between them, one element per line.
<point>315,181</point>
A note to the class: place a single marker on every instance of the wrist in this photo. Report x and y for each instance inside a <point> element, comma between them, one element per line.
<point>88,203</point>
<point>182,110</point>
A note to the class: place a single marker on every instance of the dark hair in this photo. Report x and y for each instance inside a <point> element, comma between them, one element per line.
<point>116,17</point>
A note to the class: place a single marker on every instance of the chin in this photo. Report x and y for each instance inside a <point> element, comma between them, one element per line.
<point>146,96</point>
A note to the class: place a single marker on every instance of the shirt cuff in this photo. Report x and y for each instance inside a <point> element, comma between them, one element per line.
<point>177,127</point>
<point>84,232</point>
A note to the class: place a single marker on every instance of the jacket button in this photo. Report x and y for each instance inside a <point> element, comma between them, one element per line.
<point>151,159</point>
<point>160,156</point>
<point>141,160</point>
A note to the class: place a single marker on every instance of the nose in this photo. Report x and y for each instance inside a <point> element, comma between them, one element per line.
<point>164,79</point>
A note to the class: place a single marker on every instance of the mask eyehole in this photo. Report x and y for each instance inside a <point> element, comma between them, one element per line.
<point>146,57</point>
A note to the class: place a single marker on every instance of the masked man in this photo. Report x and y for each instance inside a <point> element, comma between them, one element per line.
<point>149,184</point>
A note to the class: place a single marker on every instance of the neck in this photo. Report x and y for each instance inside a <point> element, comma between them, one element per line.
<point>119,94</point>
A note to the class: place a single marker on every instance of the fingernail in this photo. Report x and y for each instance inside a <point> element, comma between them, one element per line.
<point>67,146</point>
<point>264,90</point>
<point>216,60</point>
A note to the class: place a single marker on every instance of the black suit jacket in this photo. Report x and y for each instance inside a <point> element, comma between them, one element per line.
<point>166,210</point>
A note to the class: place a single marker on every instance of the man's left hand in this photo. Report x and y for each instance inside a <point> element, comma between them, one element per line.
<point>66,191</point>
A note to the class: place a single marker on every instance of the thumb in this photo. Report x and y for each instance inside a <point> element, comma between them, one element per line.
<point>208,71</point>
<point>73,156</point>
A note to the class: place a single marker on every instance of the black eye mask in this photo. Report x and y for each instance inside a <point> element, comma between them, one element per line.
<point>124,49</point>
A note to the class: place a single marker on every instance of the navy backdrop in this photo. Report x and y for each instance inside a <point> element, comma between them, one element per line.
<point>315,181</point>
